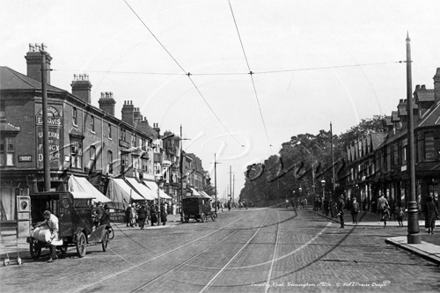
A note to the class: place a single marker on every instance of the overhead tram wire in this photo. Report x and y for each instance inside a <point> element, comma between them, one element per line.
<point>230,73</point>
<point>180,66</point>
<point>250,72</point>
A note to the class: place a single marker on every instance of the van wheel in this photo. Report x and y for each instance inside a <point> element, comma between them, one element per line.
<point>105,241</point>
<point>81,245</point>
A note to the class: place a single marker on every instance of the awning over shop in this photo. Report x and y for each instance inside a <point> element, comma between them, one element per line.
<point>121,193</point>
<point>142,189</point>
<point>81,195</point>
<point>195,192</point>
<point>203,193</point>
<point>153,186</point>
<point>82,185</point>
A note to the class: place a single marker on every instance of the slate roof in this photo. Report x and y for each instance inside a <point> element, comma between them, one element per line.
<point>425,95</point>
<point>13,80</point>
<point>432,118</point>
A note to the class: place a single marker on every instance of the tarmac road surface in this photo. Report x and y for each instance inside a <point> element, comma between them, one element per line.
<point>255,250</point>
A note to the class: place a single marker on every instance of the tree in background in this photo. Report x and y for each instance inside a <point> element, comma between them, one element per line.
<point>303,162</point>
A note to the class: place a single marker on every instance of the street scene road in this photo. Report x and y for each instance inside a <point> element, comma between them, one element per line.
<point>254,250</point>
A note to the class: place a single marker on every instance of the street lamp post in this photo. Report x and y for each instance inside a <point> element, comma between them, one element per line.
<point>159,182</point>
<point>323,191</point>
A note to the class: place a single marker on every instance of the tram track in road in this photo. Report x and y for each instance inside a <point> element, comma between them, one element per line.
<point>217,281</point>
<point>274,256</point>
<point>134,266</point>
<point>213,279</point>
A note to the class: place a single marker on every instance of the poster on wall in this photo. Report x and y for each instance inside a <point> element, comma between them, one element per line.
<point>54,121</point>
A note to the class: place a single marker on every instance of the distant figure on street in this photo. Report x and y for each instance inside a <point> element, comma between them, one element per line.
<point>400,214</point>
<point>383,208</point>
<point>229,205</point>
<point>142,216</point>
<point>355,210</point>
<point>292,203</point>
<point>326,207</point>
<point>163,214</point>
<point>431,213</point>
<point>127,215</point>
<point>341,206</point>
<point>287,203</point>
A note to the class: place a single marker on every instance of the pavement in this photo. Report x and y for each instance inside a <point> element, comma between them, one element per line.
<point>429,248</point>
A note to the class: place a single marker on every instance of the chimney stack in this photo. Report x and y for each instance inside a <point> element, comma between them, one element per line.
<point>107,103</point>
<point>81,87</point>
<point>33,58</point>
<point>437,85</point>
<point>128,112</point>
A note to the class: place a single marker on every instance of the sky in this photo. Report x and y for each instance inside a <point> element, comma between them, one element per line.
<point>313,63</point>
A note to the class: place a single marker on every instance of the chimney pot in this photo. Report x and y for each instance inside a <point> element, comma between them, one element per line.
<point>81,88</point>
<point>417,87</point>
<point>423,87</point>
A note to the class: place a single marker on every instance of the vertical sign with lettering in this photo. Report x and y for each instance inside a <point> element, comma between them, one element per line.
<point>55,122</point>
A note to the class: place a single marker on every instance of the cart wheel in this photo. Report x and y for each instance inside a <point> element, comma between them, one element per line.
<point>81,245</point>
<point>104,241</point>
<point>6,262</point>
<point>203,218</point>
<point>19,261</point>
<point>35,249</point>
<point>213,217</point>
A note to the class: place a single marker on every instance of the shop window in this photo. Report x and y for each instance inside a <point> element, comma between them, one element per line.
<point>7,204</point>
<point>7,151</point>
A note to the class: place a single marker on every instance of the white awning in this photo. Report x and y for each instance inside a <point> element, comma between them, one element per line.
<point>122,194</point>
<point>153,186</point>
<point>203,193</point>
<point>195,192</point>
<point>82,185</point>
<point>81,195</point>
<point>142,189</point>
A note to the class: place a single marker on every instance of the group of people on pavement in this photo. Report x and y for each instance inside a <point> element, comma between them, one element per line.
<point>139,214</point>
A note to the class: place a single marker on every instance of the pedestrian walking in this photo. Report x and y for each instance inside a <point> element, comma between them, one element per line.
<point>163,214</point>
<point>292,203</point>
<point>431,213</point>
<point>355,208</point>
<point>400,214</point>
<point>142,216</point>
<point>127,215</point>
<point>326,207</point>
<point>383,209</point>
<point>340,209</point>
